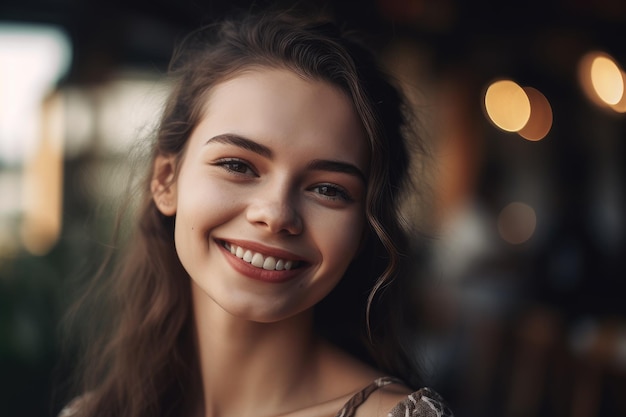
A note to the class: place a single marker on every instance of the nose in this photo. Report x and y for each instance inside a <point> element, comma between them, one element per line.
<point>276,212</point>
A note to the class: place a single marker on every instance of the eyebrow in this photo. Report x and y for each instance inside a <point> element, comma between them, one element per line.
<point>241,142</point>
<point>315,165</point>
<point>337,166</point>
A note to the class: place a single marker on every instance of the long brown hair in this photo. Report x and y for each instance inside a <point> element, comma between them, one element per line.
<point>143,362</point>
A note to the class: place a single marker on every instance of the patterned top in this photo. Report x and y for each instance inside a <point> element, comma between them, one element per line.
<point>422,403</point>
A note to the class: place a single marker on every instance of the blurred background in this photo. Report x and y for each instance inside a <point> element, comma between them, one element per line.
<point>520,306</point>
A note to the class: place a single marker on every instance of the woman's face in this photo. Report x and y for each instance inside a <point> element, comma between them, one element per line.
<point>269,200</point>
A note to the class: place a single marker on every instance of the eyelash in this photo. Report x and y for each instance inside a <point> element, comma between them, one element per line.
<point>340,193</point>
<point>229,163</point>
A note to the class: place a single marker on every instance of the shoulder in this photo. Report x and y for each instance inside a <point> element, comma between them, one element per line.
<point>422,403</point>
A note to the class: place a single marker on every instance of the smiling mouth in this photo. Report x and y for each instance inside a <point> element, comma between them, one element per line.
<point>256,259</point>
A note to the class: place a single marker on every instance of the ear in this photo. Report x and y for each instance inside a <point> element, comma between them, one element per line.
<point>163,186</point>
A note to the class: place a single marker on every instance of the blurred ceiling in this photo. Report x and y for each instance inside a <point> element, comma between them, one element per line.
<point>108,34</point>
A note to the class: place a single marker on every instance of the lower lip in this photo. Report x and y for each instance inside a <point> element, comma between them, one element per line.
<point>259,274</point>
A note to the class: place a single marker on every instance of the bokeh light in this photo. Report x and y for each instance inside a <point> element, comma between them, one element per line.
<point>507,105</point>
<point>43,182</point>
<point>517,222</point>
<point>540,120</point>
<point>606,79</point>
<point>620,106</point>
<point>33,58</point>
<point>602,80</point>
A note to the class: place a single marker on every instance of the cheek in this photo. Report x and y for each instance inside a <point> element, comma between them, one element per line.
<point>341,238</point>
<point>205,203</point>
<point>202,207</point>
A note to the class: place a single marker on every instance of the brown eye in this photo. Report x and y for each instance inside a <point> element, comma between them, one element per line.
<point>332,192</point>
<point>327,191</point>
<point>236,166</point>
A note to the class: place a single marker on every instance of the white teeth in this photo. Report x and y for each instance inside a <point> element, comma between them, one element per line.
<point>269,263</point>
<point>258,260</point>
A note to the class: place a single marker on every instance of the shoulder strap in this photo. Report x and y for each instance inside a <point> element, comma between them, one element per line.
<point>424,402</point>
<point>359,398</point>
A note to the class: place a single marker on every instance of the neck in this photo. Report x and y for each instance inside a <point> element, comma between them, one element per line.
<point>250,368</point>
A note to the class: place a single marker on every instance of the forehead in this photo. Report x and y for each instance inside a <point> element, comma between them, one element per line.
<point>289,87</point>
<point>278,104</point>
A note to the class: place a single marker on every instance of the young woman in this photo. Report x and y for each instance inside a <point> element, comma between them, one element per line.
<point>264,277</point>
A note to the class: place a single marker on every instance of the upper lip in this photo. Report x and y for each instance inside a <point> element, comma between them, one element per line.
<point>264,250</point>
